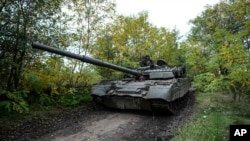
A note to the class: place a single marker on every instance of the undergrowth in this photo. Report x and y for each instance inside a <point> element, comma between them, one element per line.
<point>215,113</point>
<point>43,105</point>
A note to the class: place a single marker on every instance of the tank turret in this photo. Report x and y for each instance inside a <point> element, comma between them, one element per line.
<point>154,86</point>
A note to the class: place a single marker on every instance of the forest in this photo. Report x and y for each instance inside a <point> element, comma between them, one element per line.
<point>215,52</point>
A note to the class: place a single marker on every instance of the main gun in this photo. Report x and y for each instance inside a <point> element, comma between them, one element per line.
<point>86,59</point>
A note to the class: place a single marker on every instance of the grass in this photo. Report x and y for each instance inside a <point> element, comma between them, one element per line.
<point>215,113</point>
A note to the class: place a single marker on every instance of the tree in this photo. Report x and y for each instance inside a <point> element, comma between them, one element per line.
<point>88,17</point>
<point>18,26</point>
<point>130,38</point>
<point>221,36</point>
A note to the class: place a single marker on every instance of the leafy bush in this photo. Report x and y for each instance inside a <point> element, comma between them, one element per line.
<point>209,82</point>
<point>46,100</point>
<point>74,98</point>
<point>203,80</point>
<point>14,101</point>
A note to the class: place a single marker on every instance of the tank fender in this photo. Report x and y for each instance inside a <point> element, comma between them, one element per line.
<point>159,92</point>
<point>100,90</point>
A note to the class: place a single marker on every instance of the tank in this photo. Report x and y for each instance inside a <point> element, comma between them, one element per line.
<point>149,87</point>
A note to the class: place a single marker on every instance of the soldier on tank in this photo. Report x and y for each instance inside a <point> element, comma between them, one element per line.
<point>146,61</point>
<point>142,61</point>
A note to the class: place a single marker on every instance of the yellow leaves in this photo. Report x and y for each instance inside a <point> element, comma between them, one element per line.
<point>210,25</point>
<point>241,76</point>
<point>122,48</point>
<point>197,52</point>
<point>44,77</point>
<point>233,54</point>
<point>54,90</point>
<point>71,91</point>
<point>226,54</point>
<point>195,59</point>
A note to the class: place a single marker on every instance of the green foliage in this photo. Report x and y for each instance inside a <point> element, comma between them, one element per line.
<point>129,38</point>
<point>209,82</point>
<point>46,100</point>
<point>246,92</point>
<point>74,99</point>
<point>43,78</point>
<point>15,101</point>
<point>90,18</point>
<point>215,112</point>
<point>219,46</point>
<point>20,21</point>
<point>52,84</point>
<point>203,80</point>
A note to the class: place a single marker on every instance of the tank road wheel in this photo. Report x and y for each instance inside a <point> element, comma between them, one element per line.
<point>176,106</point>
<point>98,100</point>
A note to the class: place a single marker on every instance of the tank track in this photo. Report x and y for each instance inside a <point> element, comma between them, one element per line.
<point>174,107</point>
<point>156,105</point>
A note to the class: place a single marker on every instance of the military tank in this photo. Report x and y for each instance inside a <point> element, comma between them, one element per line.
<point>149,87</point>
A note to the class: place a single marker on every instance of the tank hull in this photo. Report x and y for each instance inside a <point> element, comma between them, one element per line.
<point>142,95</point>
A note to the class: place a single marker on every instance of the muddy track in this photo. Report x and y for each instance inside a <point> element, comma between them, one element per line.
<point>96,123</point>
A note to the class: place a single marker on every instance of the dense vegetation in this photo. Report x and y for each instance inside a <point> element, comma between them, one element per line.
<point>219,63</point>
<point>219,48</point>
<point>31,77</point>
<point>216,52</point>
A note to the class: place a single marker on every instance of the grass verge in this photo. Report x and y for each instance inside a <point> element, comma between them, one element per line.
<point>215,112</point>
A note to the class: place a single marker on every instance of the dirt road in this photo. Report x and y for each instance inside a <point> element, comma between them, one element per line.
<point>114,125</point>
<point>96,123</point>
<point>105,127</point>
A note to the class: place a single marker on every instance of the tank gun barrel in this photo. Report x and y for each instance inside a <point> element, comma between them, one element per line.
<point>84,58</point>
